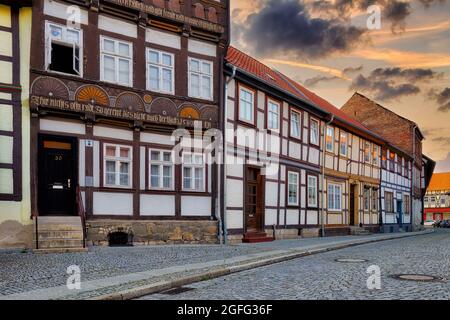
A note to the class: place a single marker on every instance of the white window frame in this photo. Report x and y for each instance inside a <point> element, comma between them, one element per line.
<point>252,103</point>
<point>194,166</point>
<point>332,139</point>
<point>289,184</point>
<point>48,47</point>
<point>116,56</point>
<point>376,155</point>
<point>161,163</point>
<point>334,190</point>
<point>317,132</point>
<point>315,187</point>
<point>299,124</point>
<point>342,134</point>
<point>390,203</point>
<point>160,66</point>
<point>117,159</point>
<point>201,75</point>
<point>369,153</point>
<point>367,195</point>
<point>270,113</point>
<point>374,202</point>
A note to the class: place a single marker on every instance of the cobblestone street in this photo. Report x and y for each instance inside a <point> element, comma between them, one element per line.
<point>321,277</point>
<point>21,272</point>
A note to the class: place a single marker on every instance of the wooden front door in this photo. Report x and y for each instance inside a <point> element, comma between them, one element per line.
<point>353,206</point>
<point>56,176</point>
<point>254,200</point>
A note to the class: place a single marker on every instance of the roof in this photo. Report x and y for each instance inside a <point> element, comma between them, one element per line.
<point>412,123</point>
<point>261,71</point>
<point>440,181</point>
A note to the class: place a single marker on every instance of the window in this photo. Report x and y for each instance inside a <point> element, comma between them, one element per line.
<point>273,115</point>
<point>384,159</point>
<point>312,192</point>
<point>366,196</point>
<point>161,170</point>
<point>375,200</point>
<point>330,139</point>
<point>115,63</point>
<point>389,202</point>
<point>443,201</point>
<point>246,105</point>
<point>314,134</point>
<point>407,204</point>
<point>433,200</point>
<point>399,165</point>
<point>343,144</point>
<point>334,197</point>
<point>392,161</point>
<point>367,152</point>
<point>295,124</point>
<point>200,79</point>
<point>193,172</point>
<point>375,155</point>
<point>118,165</point>
<point>160,71</point>
<point>293,188</point>
<point>64,49</point>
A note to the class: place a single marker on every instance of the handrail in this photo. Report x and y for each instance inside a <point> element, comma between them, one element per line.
<point>81,213</point>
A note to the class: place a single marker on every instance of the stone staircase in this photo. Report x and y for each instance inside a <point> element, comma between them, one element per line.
<point>58,235</point>
<point>358,231</point>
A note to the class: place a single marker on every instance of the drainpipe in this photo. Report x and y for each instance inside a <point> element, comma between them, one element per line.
<point>225,153</point>
<point>413,175</point>
<point>322,220</point>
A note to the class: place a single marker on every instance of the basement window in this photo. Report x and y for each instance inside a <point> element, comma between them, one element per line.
<point>63,49</point>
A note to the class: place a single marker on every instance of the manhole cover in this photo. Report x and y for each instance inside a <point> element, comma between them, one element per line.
<point>175,291</point>
<point>349,260</point>
<point>417,277</point>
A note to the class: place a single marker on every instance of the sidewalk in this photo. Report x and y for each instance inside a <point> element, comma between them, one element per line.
<point>126,273</point>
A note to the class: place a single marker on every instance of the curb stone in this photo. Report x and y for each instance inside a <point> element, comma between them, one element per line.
<point>223,271</point>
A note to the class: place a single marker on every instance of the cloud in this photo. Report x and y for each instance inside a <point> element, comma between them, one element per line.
<point>312,82</point>
<point>442,98</point>
<point>287,26</point>
<point>332,71</point>
<point>444,165</point>
<point>428,3</point>
<point>351,70</point>
<point>393,83</point>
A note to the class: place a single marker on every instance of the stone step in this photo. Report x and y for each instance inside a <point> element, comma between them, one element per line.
<point>60,220</point>
<point>60,243</point>
<point>58,227</point>
<point>43,235</point>
<point>60,250</point>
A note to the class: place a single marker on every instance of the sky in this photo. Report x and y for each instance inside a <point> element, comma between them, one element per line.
<point>396,52</point>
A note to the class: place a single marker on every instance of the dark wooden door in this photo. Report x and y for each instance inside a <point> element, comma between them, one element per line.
<point>352,205</point>
<point>254,200</point>
<point>56,177</point>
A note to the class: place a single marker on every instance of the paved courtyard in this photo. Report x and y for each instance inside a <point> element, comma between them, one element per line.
<point>25,271</point>
<point>321,277</point>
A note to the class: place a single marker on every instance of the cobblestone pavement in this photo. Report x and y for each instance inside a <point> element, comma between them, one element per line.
<point>21,272</point>
<point>321,277</point>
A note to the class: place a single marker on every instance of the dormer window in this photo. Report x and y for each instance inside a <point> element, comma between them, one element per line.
<point>63,49</point>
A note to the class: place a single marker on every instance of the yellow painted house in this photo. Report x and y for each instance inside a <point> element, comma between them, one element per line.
<point>15,41</point>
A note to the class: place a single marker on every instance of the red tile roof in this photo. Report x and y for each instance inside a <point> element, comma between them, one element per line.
<point>440,182</point>
<point>265,73</point>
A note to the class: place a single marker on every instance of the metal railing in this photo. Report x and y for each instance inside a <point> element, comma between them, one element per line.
<point>81,214</point>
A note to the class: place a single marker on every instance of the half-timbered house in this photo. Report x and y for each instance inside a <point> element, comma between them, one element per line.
<point>437,199</point>
<point>110,82</point>
<point>15,41</point>
<point>405,168</point>
<point>278,136</point>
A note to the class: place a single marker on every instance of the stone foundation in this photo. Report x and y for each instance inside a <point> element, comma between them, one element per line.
<point>15,235</point>
<point>283,234</point>
<point>153,232</point>
<point>310,232</point>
